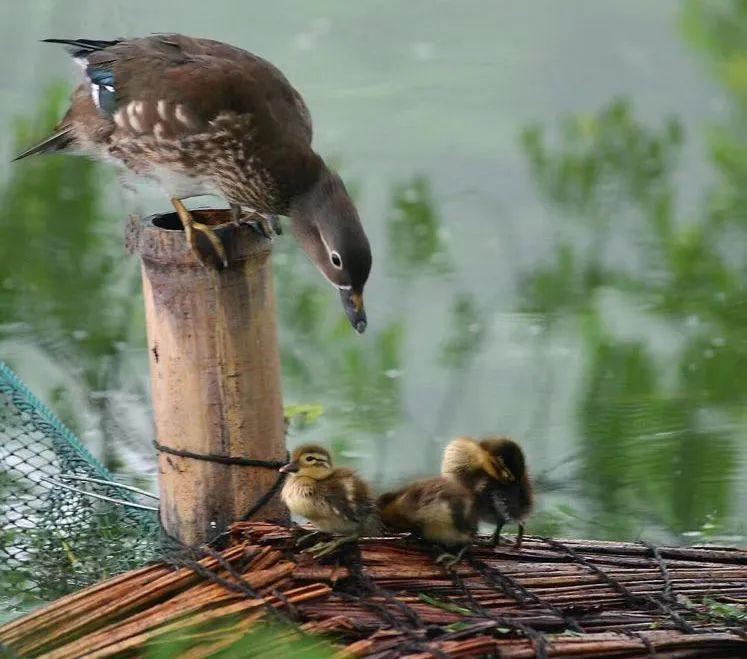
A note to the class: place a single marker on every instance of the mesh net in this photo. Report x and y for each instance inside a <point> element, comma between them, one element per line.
<point>55,537</point>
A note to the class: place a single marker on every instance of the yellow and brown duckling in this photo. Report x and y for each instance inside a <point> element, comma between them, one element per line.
<point>333,499</point>
<point>494,469</point>
<point>438,509</point>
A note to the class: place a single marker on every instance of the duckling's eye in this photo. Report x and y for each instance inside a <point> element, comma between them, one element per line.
<point>308,458</point>
<point>336,260</point>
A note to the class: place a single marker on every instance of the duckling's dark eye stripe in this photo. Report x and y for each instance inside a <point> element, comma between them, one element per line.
<point>221,459</point>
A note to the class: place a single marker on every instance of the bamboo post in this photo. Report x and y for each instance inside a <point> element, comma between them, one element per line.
<point>215,373</point>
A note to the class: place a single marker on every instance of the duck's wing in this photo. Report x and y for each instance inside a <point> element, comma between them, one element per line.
<point>349,496</point>
<point>172,85</point>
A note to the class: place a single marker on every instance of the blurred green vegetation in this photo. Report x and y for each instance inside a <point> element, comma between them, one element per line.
<point>222,640</point>
<point>651,451</point>
<point>63,282</point>
<point>653,290</point>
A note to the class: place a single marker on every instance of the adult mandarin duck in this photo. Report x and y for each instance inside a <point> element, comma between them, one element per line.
<point>202,117</point>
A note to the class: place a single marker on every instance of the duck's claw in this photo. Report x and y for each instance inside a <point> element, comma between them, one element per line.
<point>190,226</point>
<point>267,228</point>
<point>210,234</point>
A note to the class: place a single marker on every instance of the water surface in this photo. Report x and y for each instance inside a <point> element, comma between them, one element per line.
<point>555,197</point>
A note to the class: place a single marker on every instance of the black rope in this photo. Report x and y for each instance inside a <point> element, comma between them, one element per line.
<point>265,498</point>
<point>667,590</point>
<point>647,644</point>
<point>536,637</point>
<point>220,459</point>
<point>626,593</point>
<point>413,623</point>
<point>290,608</point>
<point>514,589</point>
<point>240,585</point>
<point>355,565</point>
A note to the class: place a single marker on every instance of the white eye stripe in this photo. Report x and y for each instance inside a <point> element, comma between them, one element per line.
<point>334,256</point>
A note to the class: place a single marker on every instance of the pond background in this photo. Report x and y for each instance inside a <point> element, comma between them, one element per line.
<point>556,196</point>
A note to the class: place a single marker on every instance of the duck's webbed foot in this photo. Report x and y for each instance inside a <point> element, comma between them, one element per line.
<point>519,536</point>
<point>190,226</point>
<point>323,548</point>
<point>449,560</point>
<point>267,226</point>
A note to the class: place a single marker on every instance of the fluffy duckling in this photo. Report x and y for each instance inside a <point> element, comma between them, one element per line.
<point>438,509</point>
<point>333,499</point>
<point>494,469</point>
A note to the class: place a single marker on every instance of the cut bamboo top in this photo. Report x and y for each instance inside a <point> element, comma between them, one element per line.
<point>160,238</point>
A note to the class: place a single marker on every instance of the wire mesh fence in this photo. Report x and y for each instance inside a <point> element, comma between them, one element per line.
<point>65,524</point>
<point>54,536</point>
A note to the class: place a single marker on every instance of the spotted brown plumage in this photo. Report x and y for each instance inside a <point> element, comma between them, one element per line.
<point>199,116</point>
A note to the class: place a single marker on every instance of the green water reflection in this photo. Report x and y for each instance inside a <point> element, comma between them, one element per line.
<point>646,295</point>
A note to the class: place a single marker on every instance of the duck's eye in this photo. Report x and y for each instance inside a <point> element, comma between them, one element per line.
<point>336,260</point>
<point>308,458</point>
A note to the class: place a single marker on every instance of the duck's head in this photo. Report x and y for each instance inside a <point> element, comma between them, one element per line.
<point>327,225</point>
<point>465,456</point>
<point>506,456</point>
<point>310,461</point>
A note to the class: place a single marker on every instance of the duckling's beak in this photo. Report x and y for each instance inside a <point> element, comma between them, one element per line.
<point>290,468</point>
<point>501,471</point>
<point>352,302</point>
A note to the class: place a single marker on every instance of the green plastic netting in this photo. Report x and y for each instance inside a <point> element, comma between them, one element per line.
<point>54,536</point>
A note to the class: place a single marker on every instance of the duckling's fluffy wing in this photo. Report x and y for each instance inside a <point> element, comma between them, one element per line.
<point>349,495</point>
<point>439,509</point>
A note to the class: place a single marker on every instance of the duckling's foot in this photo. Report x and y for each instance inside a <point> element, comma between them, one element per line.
<point>450,560</point>
<point>308,539</point>
<point>496,538</point>
<point>519,537</point>
<point>323,548</point>
<point>190,226</point>
<point>492,541</point>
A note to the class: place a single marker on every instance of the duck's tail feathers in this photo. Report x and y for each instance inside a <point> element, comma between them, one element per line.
<point>60,140</point>
<point>83,47</point>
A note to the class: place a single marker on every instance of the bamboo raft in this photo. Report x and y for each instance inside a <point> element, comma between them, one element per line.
<point>388,597</point>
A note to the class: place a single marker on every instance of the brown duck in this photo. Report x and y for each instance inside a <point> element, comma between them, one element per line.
<point>202,117</point>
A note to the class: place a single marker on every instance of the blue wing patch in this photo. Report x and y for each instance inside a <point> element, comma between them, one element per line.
<point>103,90</point>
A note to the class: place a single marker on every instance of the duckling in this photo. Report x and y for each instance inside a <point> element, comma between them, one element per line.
<point>333,499</point>
<point>438,509</point>
<point>494,469</point>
